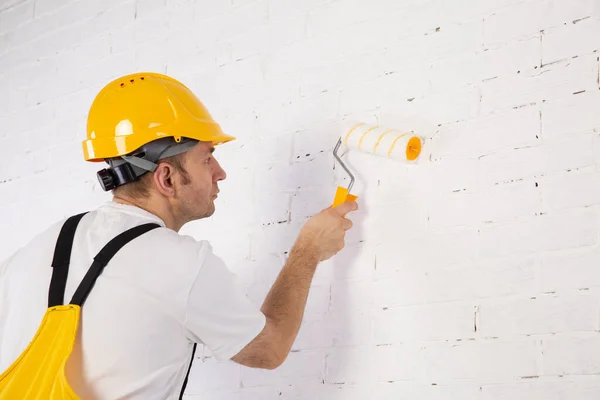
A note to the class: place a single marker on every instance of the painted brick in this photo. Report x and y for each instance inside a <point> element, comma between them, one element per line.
<point>571,354</point>
<point>510,201</point>
<point>350,328</point>
<point>539,315</point>
<point>426,390</point>
<point>277,238</point>
<point>453,246</point>
<point>151,26</point>
<point>441,108</point>
<point>571,114</point>
<point>349,365</point>
<point>510,58</point>
<point>144,7</point>
<point>448,41</point>
<point>560,13</point>
<point>482,360</point>
<point>351,296</point>
<point>290,8</point>
<point>505,276</point>
<point>584,388</point>
<point>581,265</point>
<point>16,15</point>
<point>315,333</point>
<point>569,229</point>
<point>454,175</point>
<point>405,362</point>
<point>266,38</point>
<point>454,209</point>
<point>37,27</point>
<point>570,189</point>
<point>525,18</point>
<point>429,323</point>
<point>546,83</point>
<point>575,39</point>
<point>43,7</point>
<point>355,263</point>
<point>217,20</point>
<point>506,166</point>
<point>289,178</point>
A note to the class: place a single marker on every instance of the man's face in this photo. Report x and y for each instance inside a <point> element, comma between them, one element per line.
<point>198,193</point>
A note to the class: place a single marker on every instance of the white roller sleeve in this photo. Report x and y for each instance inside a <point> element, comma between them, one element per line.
<point>382,141</point>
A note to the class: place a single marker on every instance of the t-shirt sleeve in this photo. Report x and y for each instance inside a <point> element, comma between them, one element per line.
<point>218,312</point>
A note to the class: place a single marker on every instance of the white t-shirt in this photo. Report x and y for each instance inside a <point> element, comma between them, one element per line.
<point>160,293</point>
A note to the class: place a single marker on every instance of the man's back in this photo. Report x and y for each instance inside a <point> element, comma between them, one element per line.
<point>141,318</point>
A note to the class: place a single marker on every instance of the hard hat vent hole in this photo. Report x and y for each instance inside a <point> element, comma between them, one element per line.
<point>133,80</point>
<point>122,84</point>
<point>142,78</point>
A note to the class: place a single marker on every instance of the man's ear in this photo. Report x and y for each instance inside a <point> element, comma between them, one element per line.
<point>163,179</point>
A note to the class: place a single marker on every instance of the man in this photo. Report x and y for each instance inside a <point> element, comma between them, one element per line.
<point>161,292</point>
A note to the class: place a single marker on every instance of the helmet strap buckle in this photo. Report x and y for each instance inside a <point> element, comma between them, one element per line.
<point>112,177</point>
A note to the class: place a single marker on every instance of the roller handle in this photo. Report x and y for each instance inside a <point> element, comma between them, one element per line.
<point>342,196</point>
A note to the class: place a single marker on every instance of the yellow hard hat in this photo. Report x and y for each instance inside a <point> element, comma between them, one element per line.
<point>136,109</point>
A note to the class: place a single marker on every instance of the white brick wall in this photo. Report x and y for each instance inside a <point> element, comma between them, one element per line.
<point>470,275</point>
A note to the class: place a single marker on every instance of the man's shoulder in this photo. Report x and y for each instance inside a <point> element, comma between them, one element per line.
<point>39,245</point>
<point>165,244</point>
<point>168,237</point>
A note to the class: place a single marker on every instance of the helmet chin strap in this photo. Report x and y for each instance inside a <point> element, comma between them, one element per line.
<point>140,163</point>
<point>129,168</point>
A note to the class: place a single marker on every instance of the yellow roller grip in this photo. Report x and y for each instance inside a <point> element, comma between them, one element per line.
<point>342,196</point>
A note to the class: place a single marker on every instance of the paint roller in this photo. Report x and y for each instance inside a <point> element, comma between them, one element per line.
<point>379,141</point>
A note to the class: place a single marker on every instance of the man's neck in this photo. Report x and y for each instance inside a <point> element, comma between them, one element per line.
<point>161,212</point>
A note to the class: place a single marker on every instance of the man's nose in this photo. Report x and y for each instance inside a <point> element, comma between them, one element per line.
<point>220,173</point>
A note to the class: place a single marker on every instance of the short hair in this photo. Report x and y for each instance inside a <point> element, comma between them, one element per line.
<point>140,188</point>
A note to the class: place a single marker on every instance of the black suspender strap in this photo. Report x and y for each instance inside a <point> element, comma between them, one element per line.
<point>61,260</point>
<point>187,375</point>
<point>103,257</point>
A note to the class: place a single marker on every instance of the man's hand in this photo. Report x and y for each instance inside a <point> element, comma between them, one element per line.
<point>324,233</point>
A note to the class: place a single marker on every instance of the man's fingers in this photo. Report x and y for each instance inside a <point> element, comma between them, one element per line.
<point>345,208</point>
<point>347,224</point>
